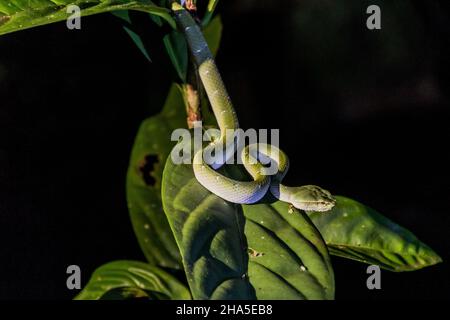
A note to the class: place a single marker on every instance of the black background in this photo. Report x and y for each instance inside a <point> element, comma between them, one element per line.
<point>363,113</point>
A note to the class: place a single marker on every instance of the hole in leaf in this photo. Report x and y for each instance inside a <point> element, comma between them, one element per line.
<point>147,168</point>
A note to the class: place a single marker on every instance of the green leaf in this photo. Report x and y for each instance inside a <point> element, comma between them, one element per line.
<point>125,16</point>
<point>212,4</point>
<point>138,42</point>
<point>150,150</point>
<point>352,230</point>
<point>289,259</point>
<point>210,234</point>
<point>231,251</point>
<point>213,34</point>
<point>132,279</point>
<point>177,49</point>
<point>122,14</point>
<point>23,14</point>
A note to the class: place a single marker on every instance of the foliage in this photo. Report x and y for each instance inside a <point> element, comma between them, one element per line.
<point>228,251</point>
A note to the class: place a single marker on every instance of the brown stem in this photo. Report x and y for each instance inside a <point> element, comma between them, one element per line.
<point>192,105</point>
<point>193,96</point>
<point>192,89</point>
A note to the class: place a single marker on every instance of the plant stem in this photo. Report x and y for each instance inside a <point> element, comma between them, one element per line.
<point>192,100</point>
<point>192,89</point>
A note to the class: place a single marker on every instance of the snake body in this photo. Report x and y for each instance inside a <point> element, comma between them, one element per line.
<point>308,197</point>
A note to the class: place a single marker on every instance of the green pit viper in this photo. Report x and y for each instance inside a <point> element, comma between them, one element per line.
<point>308,197</point>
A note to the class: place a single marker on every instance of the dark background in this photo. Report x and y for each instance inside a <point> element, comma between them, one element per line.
<point>363,113</point>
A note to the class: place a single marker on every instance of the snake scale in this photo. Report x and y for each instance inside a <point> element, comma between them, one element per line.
<point>308,197</point>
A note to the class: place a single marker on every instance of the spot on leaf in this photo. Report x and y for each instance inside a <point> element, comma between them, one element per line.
<point>254,253</point>
<point>4,19</point>
<point>147,169</point>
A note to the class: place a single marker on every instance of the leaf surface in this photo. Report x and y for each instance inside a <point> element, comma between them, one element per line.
<point>148,156</point>
<point>231,251</point>
<point>132,279</point>
<point>18,15</point>
<point>355,231</point>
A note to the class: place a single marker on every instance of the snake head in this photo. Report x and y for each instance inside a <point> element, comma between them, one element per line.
<point>312,198</point>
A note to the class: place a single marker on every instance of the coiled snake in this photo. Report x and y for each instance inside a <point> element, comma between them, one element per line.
<point>308,197</point>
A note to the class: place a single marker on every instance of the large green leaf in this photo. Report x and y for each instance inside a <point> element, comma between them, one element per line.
<point>210,234</point>
<point>354,231</point>
<point>150,150</point>
<point>231,251</point>
<point>22,14</point>
<point>132,279</point>
<point>289,259</point>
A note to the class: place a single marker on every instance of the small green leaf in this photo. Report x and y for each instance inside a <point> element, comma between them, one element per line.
<point>132,279</point>
<point>148,156</point>
<point>176,47</point>
<point>125,16</point>
<point>212,4</point>
<point>156,20</point>
<point>138,42</point>
<point>231,251</point>
<point>213,34</point>
<point>23,14</point>
<point>122,14</point>
<point>352,230</point>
